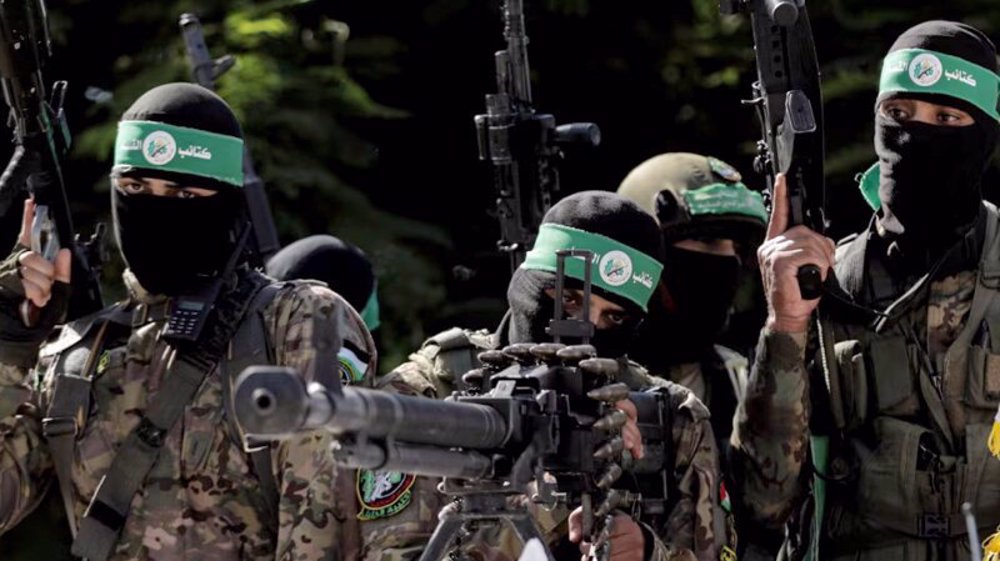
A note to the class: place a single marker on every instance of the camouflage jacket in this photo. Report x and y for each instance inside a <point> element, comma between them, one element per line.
<point>719,381</point>
<point>202,499</point>
<point>695,527</point>
<point>906,408</point>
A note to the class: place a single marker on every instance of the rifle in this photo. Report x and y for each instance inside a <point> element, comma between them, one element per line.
<point>789,105</point>
<point>205,71</point>
<point>42,139</point>
<point>524,147</point>
<point>530,410</point>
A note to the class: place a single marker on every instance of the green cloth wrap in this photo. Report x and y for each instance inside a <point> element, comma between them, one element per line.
<point>370,314</point>
<point>924,71</point>
<point>725,198</point>
<point>868,183</point>
<point>159,146</point>
<point>616,267</point>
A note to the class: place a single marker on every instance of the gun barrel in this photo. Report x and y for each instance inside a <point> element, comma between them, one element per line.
<point>430,461</point>
<point>517,51</point>
<point>274,403</point>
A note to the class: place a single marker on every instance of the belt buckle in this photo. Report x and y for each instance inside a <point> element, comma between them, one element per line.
<point>933,525</point>
<point>150,434</point>
<point>59,426</point>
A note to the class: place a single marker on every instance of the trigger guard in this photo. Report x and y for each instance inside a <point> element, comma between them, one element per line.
<point>40,226</point>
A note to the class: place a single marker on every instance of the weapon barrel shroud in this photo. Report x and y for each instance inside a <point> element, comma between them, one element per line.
<point>273,402</point>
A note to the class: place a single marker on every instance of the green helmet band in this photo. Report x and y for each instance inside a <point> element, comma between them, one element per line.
<point>616,267</point>
<point>923,71</point>
<point>725,198</point>
<point>163,147</point>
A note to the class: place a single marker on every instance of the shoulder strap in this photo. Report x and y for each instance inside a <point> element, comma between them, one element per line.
<point>105,517</point>
<point>73,363</point>
<point>850,267</point>
<point>989,263</point>
<point>252,345</point>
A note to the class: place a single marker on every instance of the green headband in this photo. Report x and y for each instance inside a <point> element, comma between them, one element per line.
<point>725,198</point>
<point>159,146</point>
<point>616,268</point>
<point>923,71</point>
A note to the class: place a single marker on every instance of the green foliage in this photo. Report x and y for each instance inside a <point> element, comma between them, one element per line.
<point>300,111</point>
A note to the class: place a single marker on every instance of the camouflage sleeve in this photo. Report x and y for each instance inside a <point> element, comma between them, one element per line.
<point>308,524</point>
<point>770,440</point>
<point>396,513</point>
<point>660,551</point>
<point>695,526</point>
<point>25,463</point>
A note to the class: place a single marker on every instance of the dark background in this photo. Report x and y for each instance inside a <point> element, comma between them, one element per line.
<point>368,134</point>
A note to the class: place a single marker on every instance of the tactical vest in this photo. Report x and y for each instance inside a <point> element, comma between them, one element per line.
<point>73,359</point>
<point>908,437</point>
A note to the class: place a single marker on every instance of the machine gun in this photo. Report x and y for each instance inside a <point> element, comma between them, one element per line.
<point>532,410</point>
<point>524,147</point>
<point>41,138</point>
<point>205,71</point>
<point>789,105</point>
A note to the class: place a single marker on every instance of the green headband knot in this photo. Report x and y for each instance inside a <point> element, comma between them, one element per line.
<point>725,198</point>
<point>159,146</point>
<point>616,267</point>
<point>924,71</point>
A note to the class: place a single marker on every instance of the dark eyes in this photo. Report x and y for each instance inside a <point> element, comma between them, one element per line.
<point>898,113</point>
<point>139,188</point>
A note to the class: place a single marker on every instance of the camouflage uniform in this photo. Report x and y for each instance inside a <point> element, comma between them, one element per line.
<point>906,408</point>
<point>693,529</point>
<point>202,498</point>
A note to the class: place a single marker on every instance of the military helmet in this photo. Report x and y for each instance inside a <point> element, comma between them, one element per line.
<point>695,196</point>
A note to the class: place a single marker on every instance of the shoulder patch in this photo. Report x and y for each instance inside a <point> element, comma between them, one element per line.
<point>352,368</point>
<point>383,493</point>
<point>724,170</point>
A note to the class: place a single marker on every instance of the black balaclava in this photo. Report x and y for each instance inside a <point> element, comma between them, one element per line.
<point>693,310</point>
<point>930,176</point>
<point>175,245</point>
<point>342,266</point>
<point>597,212</point>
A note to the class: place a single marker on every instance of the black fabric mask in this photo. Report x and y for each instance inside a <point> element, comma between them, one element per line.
<point>931,179</point>
<point>174,245</point>
<point>530,308</point>
<point>700,289</point>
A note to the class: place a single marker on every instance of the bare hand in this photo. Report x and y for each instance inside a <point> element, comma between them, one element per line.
<point>781,255</point>
<point>630,431</point>
<point>38,274</point>
<point>627,541</point>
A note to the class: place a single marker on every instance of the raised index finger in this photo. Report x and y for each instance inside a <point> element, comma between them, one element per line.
<point>779,208</point>
<point>24,237</point>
